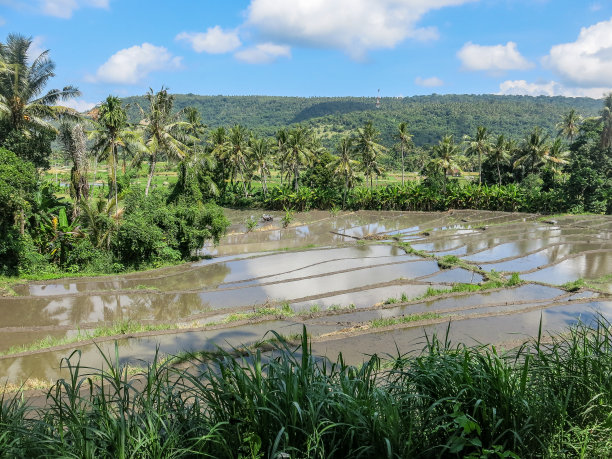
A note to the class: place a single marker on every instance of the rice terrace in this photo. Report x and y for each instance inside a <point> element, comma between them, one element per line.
<point>303,275</point>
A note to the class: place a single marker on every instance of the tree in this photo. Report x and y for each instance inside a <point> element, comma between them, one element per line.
<point>606,117</point>
<point>111,133</point>
<point>299,152</point>
<point>405,141</point>
<point>345,166</point>
<point>446,155</point>
<point>24,109</point>
<point>570,125</point>
<point>500,153</point>
<point>234,150</point>
<point>479,145</point>
<point>72,137</point>
<point>259,150</point>
<point>164,131</point>
<point>368,145</point>
<point>536,152</point>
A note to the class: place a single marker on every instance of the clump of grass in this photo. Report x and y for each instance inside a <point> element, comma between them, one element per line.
<point>287,218</point>
<point>448,261</point>
<point>387,322</point>
<point>514,280</point>
<point>391,301</point>
<point>115,329</point>
<point>546,398</point>
<point>574,286</point>
<point>404,297</point>
<point>251,224</point>
<point>315,308</point>
<point>406,247</point>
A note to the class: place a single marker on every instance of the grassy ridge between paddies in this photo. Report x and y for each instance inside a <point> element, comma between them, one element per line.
<point>547,398</point>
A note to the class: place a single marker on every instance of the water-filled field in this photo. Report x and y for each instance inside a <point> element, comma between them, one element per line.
<point>362,283</point>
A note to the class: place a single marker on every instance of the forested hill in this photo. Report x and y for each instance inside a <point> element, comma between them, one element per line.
<point>429,117</point>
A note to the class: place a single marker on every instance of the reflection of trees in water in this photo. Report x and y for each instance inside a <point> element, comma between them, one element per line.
<point>208,276</point>
<point>161,307</point>
<point>597,265</point>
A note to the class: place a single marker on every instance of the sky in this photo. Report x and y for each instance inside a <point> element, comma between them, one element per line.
<point>320,47</point>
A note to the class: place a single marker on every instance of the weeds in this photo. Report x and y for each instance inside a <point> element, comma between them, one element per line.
<point>547,398</point>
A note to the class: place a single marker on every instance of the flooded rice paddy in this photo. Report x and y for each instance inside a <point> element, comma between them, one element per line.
<point>362,283</point>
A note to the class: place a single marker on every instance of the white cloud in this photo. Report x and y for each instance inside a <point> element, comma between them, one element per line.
<point>354,26</point>
<point>549,88</point>
<point>36,48</point>
<point>263,53</point>
<point>429,82</point>
<point>79,105</point>
<point>65,8</point>
<point>497,58</point>
<point>214,41</point>
<point>586,62</point>
<point>131,65</point>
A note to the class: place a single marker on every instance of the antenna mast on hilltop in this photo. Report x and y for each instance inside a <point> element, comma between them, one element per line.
<point>378,100</point>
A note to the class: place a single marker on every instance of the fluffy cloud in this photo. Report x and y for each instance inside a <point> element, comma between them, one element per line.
<point>36,48</point>
<point>497,58</point>
<point>429,82</point>
<point>354,26</point>
<point>214,41</point>
<point>263,53</point>
<point>549,88</point>
<point>65,8</point>
<point>587,62</point>
<point>79,105</point>
<point>131,65</point>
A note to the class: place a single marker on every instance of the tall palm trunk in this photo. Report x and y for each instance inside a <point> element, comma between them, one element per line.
<point>479,167</point>
<point>152,164</point>
<point>498,173</point>
<point>402,164</point>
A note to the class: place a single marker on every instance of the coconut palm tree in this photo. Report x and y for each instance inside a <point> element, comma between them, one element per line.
<point>164,131</point>
<point>570,125</point>
<point>22,102</point>
<point>368,145</point>
<point>344,165</point>
<point>534,151</point>
<point>478,145</point>
<point>557,155</point>
<point>299,152</point>
<point>72,137</point>
<point>281,150</point>
<point>259,151</point>
<point>405,141</point>
<point>446,155</point>
<point>111,133</point>
<point>500,152</point>
<point>606,117</point>
<point>234,150</point>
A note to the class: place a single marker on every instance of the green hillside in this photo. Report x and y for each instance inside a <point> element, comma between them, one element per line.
<point>429,117</point>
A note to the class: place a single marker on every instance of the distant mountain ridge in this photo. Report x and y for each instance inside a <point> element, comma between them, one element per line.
<point>429,117</point>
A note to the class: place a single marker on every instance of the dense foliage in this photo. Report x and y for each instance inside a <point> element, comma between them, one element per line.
<point>544,399</point>
<point>429,117</point>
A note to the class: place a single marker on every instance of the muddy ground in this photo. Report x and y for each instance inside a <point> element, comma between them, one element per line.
<point>361,282</point>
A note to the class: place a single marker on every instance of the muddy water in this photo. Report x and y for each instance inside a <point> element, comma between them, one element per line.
<point>510,330</point>
<point>253,268</point>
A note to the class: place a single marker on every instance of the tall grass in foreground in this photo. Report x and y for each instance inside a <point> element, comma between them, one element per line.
<point>549,398</point>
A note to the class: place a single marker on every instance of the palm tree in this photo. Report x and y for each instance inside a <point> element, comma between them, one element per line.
<point>446,155</point>
<point>259,150</point>
<point>344,165</point>
<point>405,140</point>
<point>281,150</point>
<point>72,137</point>
<point>111,133</point>
<point>163,129</point>
<point>21,86</point>
<point>479,145</point>
<point>500,153</point>
<point>534,151</point>
<point>234,151</point>
<point>557,155</point>
<point>606,117</point>
<point>570,125</point>
<point>299,152</point>
<point>368,145</point>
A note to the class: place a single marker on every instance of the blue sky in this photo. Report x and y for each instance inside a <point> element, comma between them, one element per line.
<point>321,47</point>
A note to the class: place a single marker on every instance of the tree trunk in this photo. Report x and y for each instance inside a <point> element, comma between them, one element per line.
<point>479,168</point>
<point>151,172</point>
<point>402,164</point>
<point>264,185</point>
<point>296,172</point>
<point>498,173</point>
<point>21,222</point>
<point>345,191</point>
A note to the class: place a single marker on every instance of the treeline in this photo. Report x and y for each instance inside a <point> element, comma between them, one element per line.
<point>126,226</point>
<point>430,117</point>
